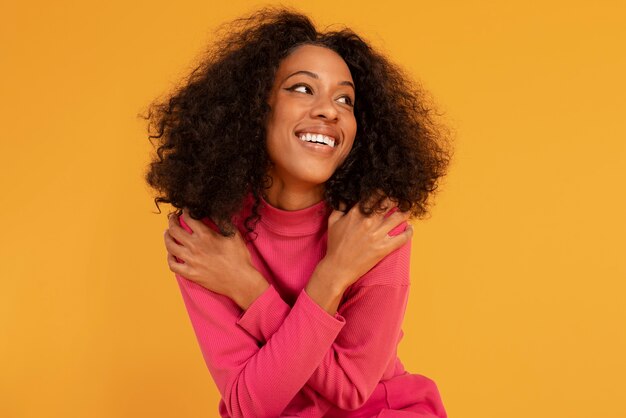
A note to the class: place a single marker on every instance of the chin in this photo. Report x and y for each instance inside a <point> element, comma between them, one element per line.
<point>316,178</point>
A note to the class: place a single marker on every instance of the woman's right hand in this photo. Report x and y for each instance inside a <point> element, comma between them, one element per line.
<point>220,264</point>
<point>356,243</point>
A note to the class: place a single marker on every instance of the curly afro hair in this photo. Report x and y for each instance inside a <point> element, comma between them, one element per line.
<point>210,132</point>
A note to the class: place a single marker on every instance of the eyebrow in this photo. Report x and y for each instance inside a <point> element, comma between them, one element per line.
<point>313,75</point>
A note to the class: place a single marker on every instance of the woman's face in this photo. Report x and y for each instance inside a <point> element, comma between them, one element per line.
<point>311,125</point>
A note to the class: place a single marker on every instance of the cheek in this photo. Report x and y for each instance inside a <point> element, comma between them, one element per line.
<point>350,131</point>
<point>276,127</point>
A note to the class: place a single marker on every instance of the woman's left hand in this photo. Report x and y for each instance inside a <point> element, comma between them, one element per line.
<point>220,264</point>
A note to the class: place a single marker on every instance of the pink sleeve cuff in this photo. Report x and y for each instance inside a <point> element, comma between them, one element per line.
<point>316,311</point>
<point>266,314</point>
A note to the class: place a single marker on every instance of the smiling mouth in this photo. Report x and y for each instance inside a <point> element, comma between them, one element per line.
<point>317,139</point>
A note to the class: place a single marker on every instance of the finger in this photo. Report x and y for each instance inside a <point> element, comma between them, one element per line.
<point>386,203</point>
<point>177,232</point>
<point>193,224</point>
<point>199,226</point>
<point>393,220</point>
<point>355,211</point>
<point>176,266</point>
<point>335,216</point>
<point>388,206</point>
<point>401,239</point>
<point>172,220</point>
<point>174,248</point>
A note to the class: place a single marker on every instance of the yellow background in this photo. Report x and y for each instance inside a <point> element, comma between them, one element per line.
<point>518,302</point>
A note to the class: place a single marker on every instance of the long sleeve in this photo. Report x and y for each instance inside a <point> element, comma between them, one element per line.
<point>294,359</point>
<point>258,381</point>
<point>373,309</point>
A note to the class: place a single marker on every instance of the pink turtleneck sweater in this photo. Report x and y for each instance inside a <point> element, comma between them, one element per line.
<point>285,356</point>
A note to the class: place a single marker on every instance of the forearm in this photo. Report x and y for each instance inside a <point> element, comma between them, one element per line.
<point>325,288</point>
<point>257,381</point>
<point>373,311</point>
<point>357,358</point>
<point>245,292</point>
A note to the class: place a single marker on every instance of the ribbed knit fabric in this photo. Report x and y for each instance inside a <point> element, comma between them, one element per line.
<point>285,356</point>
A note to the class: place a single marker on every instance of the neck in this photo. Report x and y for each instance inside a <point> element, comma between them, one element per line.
<point>289,197</point>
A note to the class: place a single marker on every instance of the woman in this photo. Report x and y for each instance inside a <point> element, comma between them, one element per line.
<point>295,159</point>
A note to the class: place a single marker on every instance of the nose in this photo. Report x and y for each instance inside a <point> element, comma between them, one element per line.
<point>324,108</point>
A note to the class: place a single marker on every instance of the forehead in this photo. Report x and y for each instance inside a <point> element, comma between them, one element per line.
<point>322,61</point>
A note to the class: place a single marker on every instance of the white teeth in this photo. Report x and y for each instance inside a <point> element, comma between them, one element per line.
<point>308,137</point>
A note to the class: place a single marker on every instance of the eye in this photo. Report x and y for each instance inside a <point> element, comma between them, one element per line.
<point>346,100</point>
<point>301,88</point>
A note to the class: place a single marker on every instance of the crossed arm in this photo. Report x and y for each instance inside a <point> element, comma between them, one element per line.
<point>270,357</point>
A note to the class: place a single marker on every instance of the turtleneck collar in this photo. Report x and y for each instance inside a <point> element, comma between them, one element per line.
<point>294,222</point>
